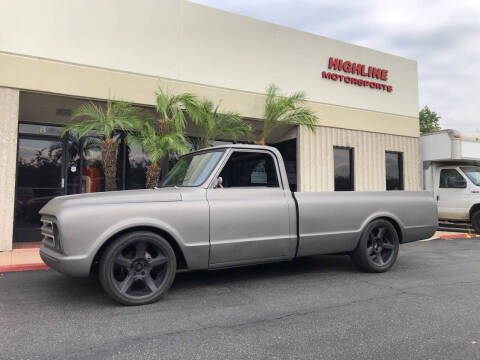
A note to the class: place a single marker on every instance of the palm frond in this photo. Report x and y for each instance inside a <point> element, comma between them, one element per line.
<point>282,110</point>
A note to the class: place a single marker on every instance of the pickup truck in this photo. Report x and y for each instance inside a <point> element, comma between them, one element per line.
<point>221,207</point>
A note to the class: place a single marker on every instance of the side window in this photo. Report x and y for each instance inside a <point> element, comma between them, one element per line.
<point>343,169</point>
<point>451,178</point>
<point>247,169</point>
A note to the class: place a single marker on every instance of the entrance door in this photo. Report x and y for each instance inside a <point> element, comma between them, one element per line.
<point>39,179</point>
<point>453,195</point>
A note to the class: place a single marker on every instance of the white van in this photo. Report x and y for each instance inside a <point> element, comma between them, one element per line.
<point>451,169</point>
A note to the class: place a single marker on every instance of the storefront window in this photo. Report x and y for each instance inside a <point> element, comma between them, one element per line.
<point>39,179</point>
<point>136,167</point>
<point>343,163</point>
<point>394,170</point>
<point>93,176</point>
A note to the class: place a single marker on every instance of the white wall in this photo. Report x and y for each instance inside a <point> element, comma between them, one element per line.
<point>184,41</point>
<point>9,103</point>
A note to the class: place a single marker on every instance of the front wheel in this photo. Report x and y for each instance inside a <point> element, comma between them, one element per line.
<point>476,221</point>
<point>378,247</point>
<point>137,268</point>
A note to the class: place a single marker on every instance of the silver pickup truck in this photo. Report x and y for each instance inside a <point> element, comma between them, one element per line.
<point>221,207</point>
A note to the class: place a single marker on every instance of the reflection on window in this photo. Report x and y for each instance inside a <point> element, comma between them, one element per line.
<point>245,169</point>
<point>93,177</point>
<point>451,178</point>
<point>343,169</point>
<point>394,170</point>
<point>192,170</point>
<point>136,167</point>
<point>473,173</point>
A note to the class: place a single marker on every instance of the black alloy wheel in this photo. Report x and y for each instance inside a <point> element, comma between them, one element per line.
<point>476,221</point>
<point>138,268</point>
<point>378,247</point>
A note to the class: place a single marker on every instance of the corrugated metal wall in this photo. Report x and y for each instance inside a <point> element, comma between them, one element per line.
<point>315,158</point>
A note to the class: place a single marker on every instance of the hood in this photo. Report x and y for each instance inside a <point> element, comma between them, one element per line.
<point>111,197</point>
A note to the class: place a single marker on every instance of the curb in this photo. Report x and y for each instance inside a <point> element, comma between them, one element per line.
<point>23,267</point>
<point>458,236</point>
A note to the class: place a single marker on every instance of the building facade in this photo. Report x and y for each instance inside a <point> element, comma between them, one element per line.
<point>55,55</point>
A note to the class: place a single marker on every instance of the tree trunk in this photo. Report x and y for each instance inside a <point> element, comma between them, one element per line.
<point>109,156</point>
<point>153,176</point>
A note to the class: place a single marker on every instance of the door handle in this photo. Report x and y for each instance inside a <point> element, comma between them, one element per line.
<point>438,197</point>
<point>475,191</point>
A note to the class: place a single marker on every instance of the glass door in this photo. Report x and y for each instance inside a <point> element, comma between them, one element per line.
<point>39,179</point>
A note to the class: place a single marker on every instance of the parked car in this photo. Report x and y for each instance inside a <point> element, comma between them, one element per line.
<point>221,207</point>
<point>451,170</point>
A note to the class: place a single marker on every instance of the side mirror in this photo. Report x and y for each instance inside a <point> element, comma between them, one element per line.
<point>219,182</point>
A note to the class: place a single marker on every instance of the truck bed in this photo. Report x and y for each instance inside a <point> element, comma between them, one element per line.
<point>331,222</point>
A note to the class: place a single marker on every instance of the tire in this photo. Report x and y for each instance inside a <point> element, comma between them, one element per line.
<point>476,221</point>
<point>137,268</point>
<point>378,247</point>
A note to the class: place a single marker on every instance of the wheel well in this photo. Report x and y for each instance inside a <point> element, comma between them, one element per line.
<point>181,262</point>
<point>474,209</point>
<point>395,225</point>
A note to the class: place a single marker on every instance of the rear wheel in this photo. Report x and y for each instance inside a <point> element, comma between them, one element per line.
<point>378,247</point>
<point>476,221</point>
<point>138,268</point>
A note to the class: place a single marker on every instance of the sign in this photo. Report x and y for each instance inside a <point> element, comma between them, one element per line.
<point>357,74</point>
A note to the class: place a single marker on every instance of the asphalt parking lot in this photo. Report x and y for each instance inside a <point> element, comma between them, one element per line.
<point>426,307</point>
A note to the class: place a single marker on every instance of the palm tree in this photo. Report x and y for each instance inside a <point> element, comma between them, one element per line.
<point>158,145</point>
<point>212,124</point>
<point>285,110</point>
<point>170,110</point>
<point>116,115</point>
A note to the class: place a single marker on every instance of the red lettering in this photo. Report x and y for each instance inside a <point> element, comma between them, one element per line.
<point>376,73</point>
<point>326,75</point>
<point>333,63</point>
<point>359,82</point>
<point>347,66</point>
<point>384,86</point>
<point>369,71</point>
<point>347,79</point>
<point>334,77</point>
<point>389,88</point>
<point>340,77</point>
<point>363,71</point>
<point>356,68</point>
<point>384,75</point>
<point>372,85</point>
<point>378,86</point>
<point>353,81</point>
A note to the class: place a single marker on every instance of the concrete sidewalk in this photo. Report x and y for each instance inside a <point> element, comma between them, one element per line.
<point>25,256</point>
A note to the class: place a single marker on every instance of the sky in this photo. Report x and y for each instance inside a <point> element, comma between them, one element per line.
<point>443,36</point>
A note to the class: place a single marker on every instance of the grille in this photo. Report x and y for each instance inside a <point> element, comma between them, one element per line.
<point>50,234</point>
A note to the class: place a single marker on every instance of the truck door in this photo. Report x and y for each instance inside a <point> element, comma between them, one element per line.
<point>453,196</point>
<point>249,212</point>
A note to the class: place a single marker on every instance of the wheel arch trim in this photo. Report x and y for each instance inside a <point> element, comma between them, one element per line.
<point>394,220</point>
<point>140,224</point>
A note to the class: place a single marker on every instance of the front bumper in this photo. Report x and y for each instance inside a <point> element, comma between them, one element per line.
<point>69,265</point>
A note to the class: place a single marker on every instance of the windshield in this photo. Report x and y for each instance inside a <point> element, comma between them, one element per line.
<point>473,173</point>
<point>192,170</point>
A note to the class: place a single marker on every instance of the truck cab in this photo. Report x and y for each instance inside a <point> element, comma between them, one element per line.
<point>451,169</point>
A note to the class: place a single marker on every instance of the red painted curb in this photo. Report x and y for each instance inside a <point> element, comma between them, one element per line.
<point>23,267</point>
<point>459,236</point>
